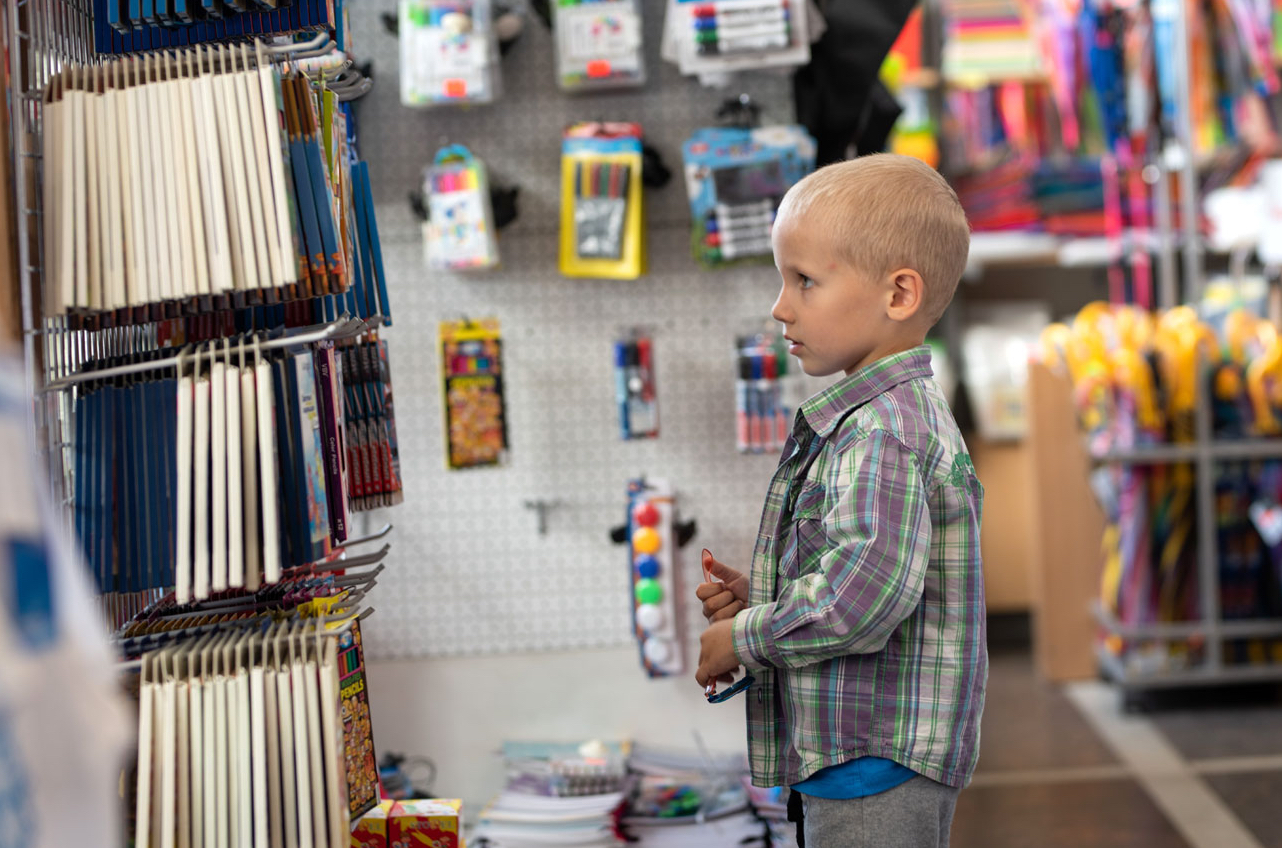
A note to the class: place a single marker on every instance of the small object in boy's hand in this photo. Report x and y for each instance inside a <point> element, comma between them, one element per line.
<point>714,697</point>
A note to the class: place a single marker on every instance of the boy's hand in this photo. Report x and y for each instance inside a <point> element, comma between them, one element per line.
<point>716,652</point>
<point>724,599</point>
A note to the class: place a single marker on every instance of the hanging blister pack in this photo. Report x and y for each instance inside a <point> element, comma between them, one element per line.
<point>634,386</point>
<point>449,54</point>
<point>602,232</point>
<point>598,44</point>
<point>460,224</point>
<point>736,178</point>
<point>472,383</point>
<point>722,36</point>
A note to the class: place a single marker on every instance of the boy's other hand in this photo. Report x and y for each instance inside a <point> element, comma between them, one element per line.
<point>716,652</point>
<point>724,599</point>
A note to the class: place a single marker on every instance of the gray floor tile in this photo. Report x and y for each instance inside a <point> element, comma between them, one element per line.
<point>1108,814</point>
<point>1230,732</point>
<point>1029,724</point>
<point>1254,798</point>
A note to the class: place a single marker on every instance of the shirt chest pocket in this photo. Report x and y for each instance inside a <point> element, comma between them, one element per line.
<point>805,538</point>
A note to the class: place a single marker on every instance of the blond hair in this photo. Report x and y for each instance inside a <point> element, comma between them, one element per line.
<point>889,212</point>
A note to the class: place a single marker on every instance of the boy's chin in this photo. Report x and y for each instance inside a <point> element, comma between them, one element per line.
<point>815,369</point>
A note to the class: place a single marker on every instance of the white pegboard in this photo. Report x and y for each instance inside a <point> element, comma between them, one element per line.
<point>469,572</point>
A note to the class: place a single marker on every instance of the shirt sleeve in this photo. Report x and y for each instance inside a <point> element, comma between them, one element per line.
<point>868,581</point>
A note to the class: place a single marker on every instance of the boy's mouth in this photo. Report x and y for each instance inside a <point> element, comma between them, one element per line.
<point>793,344</point>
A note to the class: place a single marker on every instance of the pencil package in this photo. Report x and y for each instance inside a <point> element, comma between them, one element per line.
<point>602,232</point>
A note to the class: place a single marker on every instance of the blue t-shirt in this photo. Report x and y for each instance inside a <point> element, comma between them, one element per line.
<point>857,778</point>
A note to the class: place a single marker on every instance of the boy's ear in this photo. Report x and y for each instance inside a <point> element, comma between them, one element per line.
<point>907,294</point>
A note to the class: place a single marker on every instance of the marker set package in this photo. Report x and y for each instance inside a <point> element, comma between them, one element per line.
<point>201,180</point>
<point>763,405</point>
<point>602,225</point>
<point>634,386</point>
<point>133,26</point>
<point>241,741</point>
<point>472,383</point>
<point>460,222</point>
<point>373,464</point>
<point>598,44</point>
<point>720,36</point>
<point>220,478</point>
<point>449,53</point>
<point>735,179</point>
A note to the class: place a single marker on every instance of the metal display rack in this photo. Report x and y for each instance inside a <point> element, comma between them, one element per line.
<point>42,36</point>
<point>1205,453</point>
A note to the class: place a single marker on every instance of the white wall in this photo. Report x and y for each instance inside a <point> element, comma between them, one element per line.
<point>458,710</point>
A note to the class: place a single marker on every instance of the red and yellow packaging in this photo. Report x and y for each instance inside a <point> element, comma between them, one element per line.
<point>371,830</point>
<point>432,822</point>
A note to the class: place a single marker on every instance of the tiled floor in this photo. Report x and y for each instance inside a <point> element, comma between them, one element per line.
<point>1207,777</point>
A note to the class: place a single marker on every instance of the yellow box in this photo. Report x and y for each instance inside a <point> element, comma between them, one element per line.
<point>434,822</point>
<point>371,830</point>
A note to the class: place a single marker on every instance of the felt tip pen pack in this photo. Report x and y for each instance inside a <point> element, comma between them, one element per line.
<point>634,386</point>
<point>602,231</point>
<point>472,382</point>
<point>598,44</point>
<point>449,54</point>
<point>723,36</point>
<point>460,225</point>
<point>763,413</point>
<point>735,179</point>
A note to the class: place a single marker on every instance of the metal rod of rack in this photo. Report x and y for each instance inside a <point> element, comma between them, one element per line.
<point>1183,630</point>
<point>344,328</point>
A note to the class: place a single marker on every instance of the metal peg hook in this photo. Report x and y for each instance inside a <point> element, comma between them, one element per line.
<point>542,508</point>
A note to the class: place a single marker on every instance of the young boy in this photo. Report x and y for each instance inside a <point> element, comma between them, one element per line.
<point>862,618</point>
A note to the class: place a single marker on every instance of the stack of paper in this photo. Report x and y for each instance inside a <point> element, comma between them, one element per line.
<point>517,820</point>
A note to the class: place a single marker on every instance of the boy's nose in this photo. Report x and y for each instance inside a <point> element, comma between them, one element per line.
<point>781,312</point>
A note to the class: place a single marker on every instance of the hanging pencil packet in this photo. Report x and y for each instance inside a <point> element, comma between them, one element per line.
<point>460,225</point>
<point>735,179</point>
<point>472,381</point>
<point>598,44</point>
<point>449,53</point>
<point>602,233</point>
<point>722,36</point>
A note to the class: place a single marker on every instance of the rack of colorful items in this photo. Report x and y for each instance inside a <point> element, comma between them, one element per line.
<point>253,720</point>
<point>1183,418</point>
<point>1106,123</point>
<point>217,180</point>
<point>203,291</point>
<point>260,225</point>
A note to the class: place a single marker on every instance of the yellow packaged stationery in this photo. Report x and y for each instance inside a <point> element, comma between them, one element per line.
<point>602,226</point>
<point>472,381</point>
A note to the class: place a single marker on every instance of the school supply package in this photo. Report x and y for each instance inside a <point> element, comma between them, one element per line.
<point>735,178</point>
<point>602,225</point>
<point>449,54</point>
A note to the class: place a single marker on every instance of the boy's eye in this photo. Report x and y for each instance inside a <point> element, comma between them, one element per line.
<point>805,282</point>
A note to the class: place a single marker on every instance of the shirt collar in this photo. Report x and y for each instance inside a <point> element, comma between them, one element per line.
<point>824,409</point>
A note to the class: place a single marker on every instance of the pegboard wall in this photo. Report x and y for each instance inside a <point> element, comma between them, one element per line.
<point>469,572</point>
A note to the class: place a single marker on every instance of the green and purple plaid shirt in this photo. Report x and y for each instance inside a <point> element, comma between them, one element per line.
<point>866,624</point>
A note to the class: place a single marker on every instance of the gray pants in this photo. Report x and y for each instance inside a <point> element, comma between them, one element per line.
<point>915,814</point>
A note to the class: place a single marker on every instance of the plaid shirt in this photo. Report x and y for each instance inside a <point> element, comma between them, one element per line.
<point>866,624</point>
